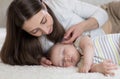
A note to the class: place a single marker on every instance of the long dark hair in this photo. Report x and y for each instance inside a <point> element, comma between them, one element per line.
<point>21,48</point>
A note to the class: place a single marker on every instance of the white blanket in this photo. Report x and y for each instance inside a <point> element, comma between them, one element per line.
<point>40,72</point>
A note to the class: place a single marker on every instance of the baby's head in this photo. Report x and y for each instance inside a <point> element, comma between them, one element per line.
<point>64,55</point>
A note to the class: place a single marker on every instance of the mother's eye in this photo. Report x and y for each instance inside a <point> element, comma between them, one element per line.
<point>35,31</point>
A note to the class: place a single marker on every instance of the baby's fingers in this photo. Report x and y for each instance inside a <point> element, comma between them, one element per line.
<point>112,67</point>
<point>111,73</point>
<point>107,61</point>
<point>109,70</point>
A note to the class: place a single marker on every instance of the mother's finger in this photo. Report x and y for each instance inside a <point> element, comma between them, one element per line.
<point>68,33</point>
<point>70,40</point>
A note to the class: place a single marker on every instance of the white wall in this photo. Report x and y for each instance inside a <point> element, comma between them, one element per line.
<point>3,7</point>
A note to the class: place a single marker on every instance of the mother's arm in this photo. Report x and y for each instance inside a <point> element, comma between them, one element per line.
<point>94,17</point>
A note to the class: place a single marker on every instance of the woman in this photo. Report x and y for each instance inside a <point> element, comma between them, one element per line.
<point>32,28</point>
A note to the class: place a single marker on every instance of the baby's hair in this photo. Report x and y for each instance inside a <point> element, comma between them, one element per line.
<point>49,52</point>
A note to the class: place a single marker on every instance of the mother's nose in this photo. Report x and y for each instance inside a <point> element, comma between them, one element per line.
<point>45,29</point>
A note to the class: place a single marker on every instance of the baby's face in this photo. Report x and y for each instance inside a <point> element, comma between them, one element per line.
<point>64,55</point>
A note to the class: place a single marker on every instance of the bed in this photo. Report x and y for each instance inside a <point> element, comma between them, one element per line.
<point>40,72</point>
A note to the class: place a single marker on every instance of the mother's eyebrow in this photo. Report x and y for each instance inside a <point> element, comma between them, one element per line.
<point>42,19</point>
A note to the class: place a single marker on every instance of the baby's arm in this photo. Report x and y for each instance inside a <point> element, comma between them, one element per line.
<point>104,67</point>
<point>88,51</point>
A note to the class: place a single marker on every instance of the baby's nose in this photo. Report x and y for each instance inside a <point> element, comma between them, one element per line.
<point>68,59</point>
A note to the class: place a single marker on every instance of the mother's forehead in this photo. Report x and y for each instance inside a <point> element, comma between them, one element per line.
<point>34,19</point>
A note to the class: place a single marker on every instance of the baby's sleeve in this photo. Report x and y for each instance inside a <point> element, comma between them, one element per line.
<point>77,42</point>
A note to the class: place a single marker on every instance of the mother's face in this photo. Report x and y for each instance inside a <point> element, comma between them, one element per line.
<point>40,24</point>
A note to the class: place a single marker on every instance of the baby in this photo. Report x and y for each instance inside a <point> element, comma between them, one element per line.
<point>100,54</point>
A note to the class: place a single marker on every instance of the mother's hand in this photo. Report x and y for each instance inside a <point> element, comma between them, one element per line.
<point>45,62</point>
<point>73,32</point>
<point>76,30</point>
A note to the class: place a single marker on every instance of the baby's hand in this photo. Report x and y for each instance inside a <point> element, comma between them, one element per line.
<point>106,67</point>
<point>84,68</point>
<point>45,62</point>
